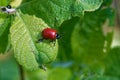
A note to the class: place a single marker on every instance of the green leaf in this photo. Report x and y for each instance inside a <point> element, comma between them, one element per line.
<point>97,77</point>
<point>16,3</point>
<point>25,31</point>
<point>4,31</point>
<point>59,73</point>
<point>51,74</point>
<point>90,5</point>
<point>5,2</point>
<point>37,75</point>
<point>54,12</point>
<point>66,30</point>
<point>5,22</point>
<point>112,62</point>
<point>107,2</point>
<point>26,1</point>
<point>89,43</point>
<point>8,68</point>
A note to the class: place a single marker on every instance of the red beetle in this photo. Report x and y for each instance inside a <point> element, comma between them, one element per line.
<point>49,34</point>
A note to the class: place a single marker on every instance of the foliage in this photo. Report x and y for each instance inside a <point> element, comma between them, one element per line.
<point>84,50</point>
<point>9,69</point>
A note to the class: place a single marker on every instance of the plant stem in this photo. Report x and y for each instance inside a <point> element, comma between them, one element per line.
<point>21,72</point>
<point>116,5</point>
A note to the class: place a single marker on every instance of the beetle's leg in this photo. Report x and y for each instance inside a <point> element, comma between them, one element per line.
<point>40,40</point>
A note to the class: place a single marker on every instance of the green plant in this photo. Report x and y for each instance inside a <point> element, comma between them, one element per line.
<point>81,50</point>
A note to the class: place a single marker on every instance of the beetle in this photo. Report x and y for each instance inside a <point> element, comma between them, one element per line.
<point>8,9</point>
<point>49,34</point>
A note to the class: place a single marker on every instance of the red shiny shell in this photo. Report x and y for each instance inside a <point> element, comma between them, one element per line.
<point>49,33</point>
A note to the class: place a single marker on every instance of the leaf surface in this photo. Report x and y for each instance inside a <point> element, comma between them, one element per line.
<point>54,12</point>
<point>25,31</point>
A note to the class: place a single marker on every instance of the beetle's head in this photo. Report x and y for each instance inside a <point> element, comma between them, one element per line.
<point>57,36</point>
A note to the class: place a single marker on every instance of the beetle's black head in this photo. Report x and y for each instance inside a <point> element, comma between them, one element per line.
<point>57,36</point>
<point>8,6</point>
<point>3,9</point>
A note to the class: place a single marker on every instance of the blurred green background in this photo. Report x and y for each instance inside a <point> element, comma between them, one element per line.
<point>89,49</point>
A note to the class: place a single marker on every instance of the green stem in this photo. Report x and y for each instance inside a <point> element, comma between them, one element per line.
<point>21,73</point>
